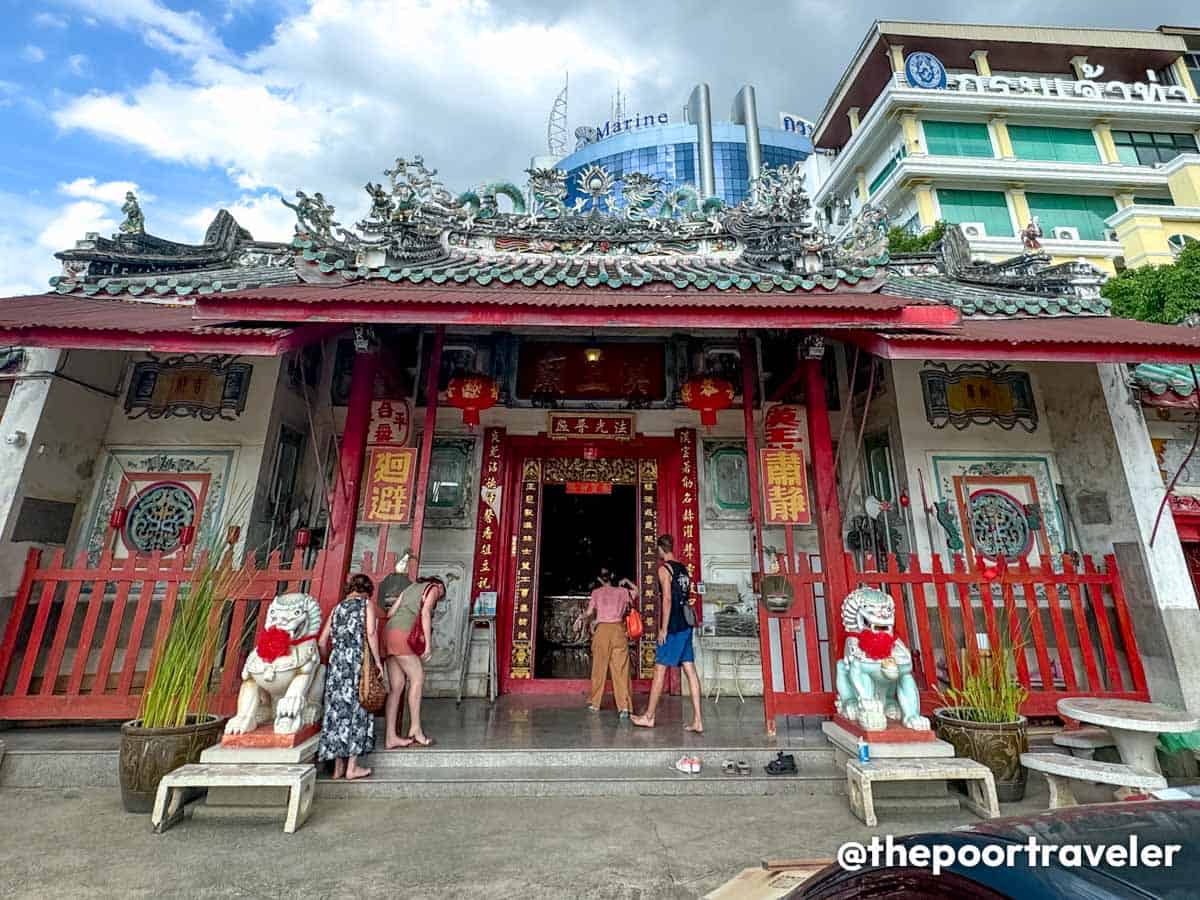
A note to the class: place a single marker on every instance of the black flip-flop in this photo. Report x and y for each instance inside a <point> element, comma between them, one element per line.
<point>729,767</point>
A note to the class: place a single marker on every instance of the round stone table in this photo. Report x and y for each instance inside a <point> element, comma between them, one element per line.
<point>1134,726</point>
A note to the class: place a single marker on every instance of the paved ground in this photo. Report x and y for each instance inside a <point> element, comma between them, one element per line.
<point>79,843</point>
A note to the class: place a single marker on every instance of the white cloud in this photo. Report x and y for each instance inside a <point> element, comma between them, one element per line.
<point>263,215</point>
<point>32,53</point>
<point>182,33</point>
<point>77,63</point>
<point>49,20</point>
<point>112,192</point>
<point>34,232</point>
<point>334,96</point>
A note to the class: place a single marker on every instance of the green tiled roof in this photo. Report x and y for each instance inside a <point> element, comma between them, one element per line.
<point>973,300</point>
<point>1163,378</point>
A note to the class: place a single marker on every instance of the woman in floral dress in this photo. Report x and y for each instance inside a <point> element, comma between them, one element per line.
<point>348,730</point>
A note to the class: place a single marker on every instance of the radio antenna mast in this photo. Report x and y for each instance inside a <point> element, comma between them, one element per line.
<point>556,128</point>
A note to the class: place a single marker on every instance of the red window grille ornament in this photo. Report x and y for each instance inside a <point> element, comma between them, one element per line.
<point>303,538</point>
<point>709,395</point>
<point>472,394</point>
<point>116,518</point>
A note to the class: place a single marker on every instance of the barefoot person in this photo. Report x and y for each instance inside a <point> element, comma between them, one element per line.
<point>406,669</point>
<point>348,730</point>
<point>674,634</point>
<point>610,646</point>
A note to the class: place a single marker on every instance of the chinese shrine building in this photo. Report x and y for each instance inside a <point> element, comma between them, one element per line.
<point>522,392</point>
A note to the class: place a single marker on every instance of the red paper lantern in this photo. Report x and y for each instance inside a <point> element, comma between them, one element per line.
<point>303,538</point>
<point>472,394</point>
<point>116,519</point>
<point>708,395</point>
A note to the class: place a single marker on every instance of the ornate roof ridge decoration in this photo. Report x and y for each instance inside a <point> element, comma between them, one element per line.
<point>620,232</point>
<point>135,262</point>
<point>1034,272</point>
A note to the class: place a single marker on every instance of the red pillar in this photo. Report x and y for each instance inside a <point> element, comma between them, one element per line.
<point>431,409</point>
<point>749,378</point>
<point>343,512</point>
<point>829,522</point>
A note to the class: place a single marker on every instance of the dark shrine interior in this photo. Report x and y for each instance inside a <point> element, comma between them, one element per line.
<point>580,534</point>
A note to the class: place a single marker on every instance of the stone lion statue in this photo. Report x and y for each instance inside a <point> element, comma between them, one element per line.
<point>283,679</point>
<point>874,676</point>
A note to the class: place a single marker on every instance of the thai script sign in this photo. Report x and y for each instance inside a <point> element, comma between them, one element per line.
<point>1150,91</point>
<point>796,124</point>
<point>390,472</point>
<point>591,426</point>
<point>785,485</point>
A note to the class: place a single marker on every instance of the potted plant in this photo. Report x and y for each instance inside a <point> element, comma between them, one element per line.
<point>173,725</point>
<point>983,721</point>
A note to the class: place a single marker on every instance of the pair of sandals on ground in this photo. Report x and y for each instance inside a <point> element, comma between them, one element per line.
<point>782,764</point>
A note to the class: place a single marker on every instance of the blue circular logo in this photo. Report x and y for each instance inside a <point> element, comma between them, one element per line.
<point>924,70</point>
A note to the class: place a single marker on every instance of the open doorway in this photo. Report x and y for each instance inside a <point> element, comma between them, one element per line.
<point>585,527</point>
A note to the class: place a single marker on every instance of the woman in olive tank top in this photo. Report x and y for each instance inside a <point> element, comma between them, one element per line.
<point>413,607</point>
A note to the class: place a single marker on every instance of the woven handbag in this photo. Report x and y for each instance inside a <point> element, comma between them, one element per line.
<point>372,692</point>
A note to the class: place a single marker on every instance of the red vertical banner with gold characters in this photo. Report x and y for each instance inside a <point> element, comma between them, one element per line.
<point>521,658</point>
<point>687,542</point>
<point>648,517</point>
<point>785,488</point>
<point>487,522</point>
<point>389,488</point>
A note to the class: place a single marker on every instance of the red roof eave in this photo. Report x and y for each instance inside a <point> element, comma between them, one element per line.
<point>368,304</point>
<point>1095,339</point>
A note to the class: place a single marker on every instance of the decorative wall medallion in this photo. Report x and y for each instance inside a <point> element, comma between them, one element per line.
<point>158,515</point>
<point>205,387</point>
<point>999,525</point>
<point>126,473</point>
<point>978,394</point>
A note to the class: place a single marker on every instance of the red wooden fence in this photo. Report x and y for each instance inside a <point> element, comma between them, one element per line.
<point>1071,622</point>
<point>80,640</point>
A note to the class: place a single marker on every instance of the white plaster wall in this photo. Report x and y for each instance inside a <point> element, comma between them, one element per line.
<point>63,424</point>
<point>921,442</point>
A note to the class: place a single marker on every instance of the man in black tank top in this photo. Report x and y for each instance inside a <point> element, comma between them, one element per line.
<point>676,620</point>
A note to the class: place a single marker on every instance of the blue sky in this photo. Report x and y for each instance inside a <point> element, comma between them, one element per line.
<point>231,103</point>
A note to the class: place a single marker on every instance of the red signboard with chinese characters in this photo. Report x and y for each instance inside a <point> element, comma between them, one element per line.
<point>591,426</point>
<point>589,487</point>
<point>786,426</point>
<point>488,541</point>
<point>566,370</point>
<point>785,486</point>
<point>389,476</point>
<point>688,540</point>
<point>391,423</point>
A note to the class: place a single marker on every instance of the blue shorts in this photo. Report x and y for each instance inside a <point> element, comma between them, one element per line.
<point>677,649</point>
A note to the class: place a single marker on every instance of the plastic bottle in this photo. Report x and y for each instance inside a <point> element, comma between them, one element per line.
<point>864,751</point>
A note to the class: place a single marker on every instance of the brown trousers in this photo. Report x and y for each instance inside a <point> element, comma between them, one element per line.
<point>610,655</point>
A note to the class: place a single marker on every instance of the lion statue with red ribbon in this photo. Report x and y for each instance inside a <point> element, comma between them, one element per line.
<point>283,679</point>
<point>875,674</point>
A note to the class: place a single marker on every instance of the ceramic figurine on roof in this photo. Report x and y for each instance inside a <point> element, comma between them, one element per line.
<point>135,222</point>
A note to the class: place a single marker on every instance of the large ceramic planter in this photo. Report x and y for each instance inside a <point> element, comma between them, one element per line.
<point>998,745</point>
<point>147,754</point>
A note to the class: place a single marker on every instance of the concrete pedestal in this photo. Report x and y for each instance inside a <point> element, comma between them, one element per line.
<point>920,793</point>
<point>304,752</point>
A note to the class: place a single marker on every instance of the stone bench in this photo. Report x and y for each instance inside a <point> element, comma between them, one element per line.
<point>1084,742</point>
<point>981,785</point>
<point>1060,770</point>
<point>300,780</point>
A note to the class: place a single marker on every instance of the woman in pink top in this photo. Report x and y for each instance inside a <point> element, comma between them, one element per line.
<point>610,647</point>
